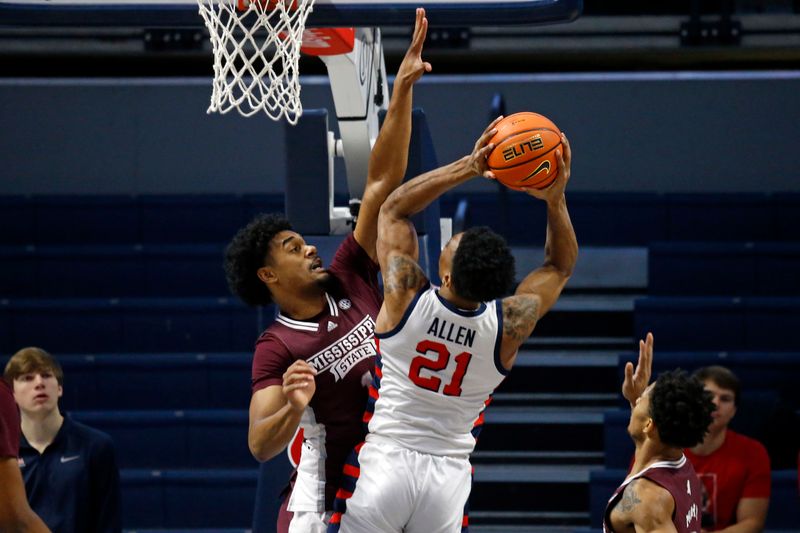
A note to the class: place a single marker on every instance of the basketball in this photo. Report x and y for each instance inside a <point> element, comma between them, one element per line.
<point>524,154</point>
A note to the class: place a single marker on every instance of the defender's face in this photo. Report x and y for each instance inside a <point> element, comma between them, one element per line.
<point>724,406</point>
<point>293,262</point>
<point>640,415</point>
<point>37,392</point>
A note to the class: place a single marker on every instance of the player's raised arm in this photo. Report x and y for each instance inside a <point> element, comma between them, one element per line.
<point>397,246</point>
<point>540,289</point>
<point>389,157</point>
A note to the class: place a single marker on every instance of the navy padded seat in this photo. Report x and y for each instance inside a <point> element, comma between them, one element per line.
<point>191,219</point>
<point>773,371</point>
<point>157,381</point>
<point>121,271</point>
<point>602,484</point>
<point>599,218</point>
<point>618,446</point>
<point>715,323</point>
<point>129,219</point>
<point>188,499</point>
<point>733,269</point>
<point>784,504</point>
<point>720,217</point>
<point>86,219</point>
<point>132,325</point>
<point>17,218</point>
<point>786,213</point>
<point>175,439</point>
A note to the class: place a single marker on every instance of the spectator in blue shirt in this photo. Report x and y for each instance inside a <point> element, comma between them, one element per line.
<point>70,472</point>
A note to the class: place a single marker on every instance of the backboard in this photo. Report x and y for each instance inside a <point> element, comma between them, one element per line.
<point>183,13</point>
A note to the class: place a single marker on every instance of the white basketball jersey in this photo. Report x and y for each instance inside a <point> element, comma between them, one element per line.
<point>435,374</point>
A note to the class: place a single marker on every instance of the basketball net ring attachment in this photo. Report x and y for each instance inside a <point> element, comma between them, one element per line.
<point>257,46</point>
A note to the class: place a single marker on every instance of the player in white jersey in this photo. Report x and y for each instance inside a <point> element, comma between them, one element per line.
<point>442,351</point>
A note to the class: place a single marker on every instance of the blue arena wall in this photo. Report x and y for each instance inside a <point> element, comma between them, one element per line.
<point>644,132</point>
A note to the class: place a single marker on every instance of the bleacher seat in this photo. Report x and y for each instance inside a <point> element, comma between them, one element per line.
<point>725,269</point>
<point>129,219</point>
<point>188,439</point>
<point>773,371</point>
<point>130,325</point>
<point>684,323</point>
<point>155,381</point>
<point>188,498</point>
<point>104,271</point>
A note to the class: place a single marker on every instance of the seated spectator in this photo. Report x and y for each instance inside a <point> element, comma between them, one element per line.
<point>734,469</point>
<point>70,472</point>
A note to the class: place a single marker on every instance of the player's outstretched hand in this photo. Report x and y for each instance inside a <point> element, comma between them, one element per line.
<point>636,381</point>
<point>481,150</point>
<point>299,385</point>
<point>413,66</point>
<point>556,190</point>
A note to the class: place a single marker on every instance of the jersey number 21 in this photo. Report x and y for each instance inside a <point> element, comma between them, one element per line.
<point>442,354</point>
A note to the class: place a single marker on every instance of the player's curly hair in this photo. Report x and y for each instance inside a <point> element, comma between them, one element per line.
<point>247,252</point>
<point>483,267</point>
<point>680,408</point>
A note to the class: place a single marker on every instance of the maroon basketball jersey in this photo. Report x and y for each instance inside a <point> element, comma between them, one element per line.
<point>339,344</point>
<point>680,479</point>
<point>9,422</point>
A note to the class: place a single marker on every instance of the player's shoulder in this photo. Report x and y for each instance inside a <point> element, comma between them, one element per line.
<point>520,313</point>
<point>653,502</point>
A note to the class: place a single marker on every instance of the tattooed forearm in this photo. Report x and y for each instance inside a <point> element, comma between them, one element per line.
<point>629,498</point>
<point>519,316</point>
<point>402,274</point>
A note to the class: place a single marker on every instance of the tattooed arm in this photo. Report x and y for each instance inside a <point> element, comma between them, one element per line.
<point>645,507</point>
<point>397,247</point>
<point>541,288</point>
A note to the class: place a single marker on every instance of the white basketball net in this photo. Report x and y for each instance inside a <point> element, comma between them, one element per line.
<point>256,47</point>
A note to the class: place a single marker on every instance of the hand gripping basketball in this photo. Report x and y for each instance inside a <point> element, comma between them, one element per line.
<point>480,152</point>
<point>559,185</point>
<point>524,154</point>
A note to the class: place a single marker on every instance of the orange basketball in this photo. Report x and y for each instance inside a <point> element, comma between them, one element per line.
<point>524,154</point>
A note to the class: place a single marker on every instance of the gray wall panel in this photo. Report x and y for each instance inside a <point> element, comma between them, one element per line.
<point>650,132</point>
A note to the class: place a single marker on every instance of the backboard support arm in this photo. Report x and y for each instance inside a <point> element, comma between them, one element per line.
<point>360,91</point>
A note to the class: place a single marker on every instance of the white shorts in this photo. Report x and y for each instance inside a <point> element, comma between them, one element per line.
<point>309,522</point>
<point>400,490</point>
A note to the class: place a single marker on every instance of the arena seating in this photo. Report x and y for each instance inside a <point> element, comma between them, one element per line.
<point>716,268</point>
<point>719,323</point>
<point>128,292</point>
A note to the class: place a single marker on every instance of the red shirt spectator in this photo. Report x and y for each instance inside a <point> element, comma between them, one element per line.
<point>738,469</point>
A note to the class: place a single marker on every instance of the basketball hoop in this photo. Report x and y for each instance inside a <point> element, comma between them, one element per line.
<point>256,47</point>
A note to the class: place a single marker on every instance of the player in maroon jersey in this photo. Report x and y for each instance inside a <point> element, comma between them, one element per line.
<point>662,492</point>
<point>311,368</point>
<point>15,513</point>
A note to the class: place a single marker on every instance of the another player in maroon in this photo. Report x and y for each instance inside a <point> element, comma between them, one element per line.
<point>312,366</point>
<point>662,492</point>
